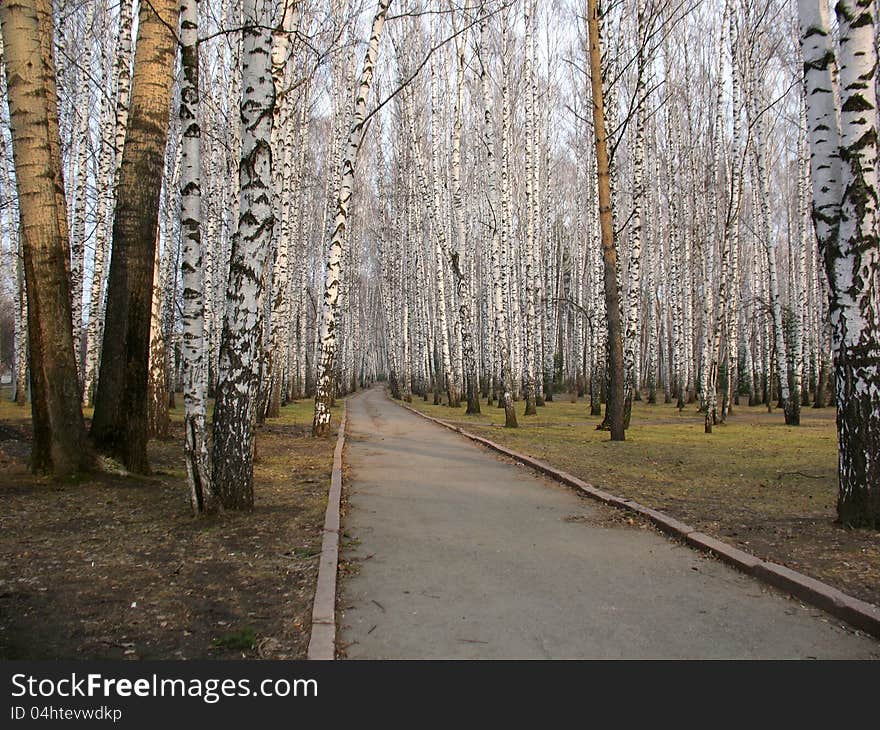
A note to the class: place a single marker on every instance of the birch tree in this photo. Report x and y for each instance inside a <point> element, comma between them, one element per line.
<point>328,334</point>
<point>471,378</point>
<point>843,168</point>
<point>113,129</point>
<point>635,258</point>
<point>530,195</point>
<point>195,372</point>
<point>237,389</point>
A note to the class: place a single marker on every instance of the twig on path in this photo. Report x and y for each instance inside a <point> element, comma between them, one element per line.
<point>379,605</point>
<point>799,473</point>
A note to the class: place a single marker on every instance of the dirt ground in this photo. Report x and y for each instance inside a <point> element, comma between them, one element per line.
<point>116,566</point>
<point>756,483</point>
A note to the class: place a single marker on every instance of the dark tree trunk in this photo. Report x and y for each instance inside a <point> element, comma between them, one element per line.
<point>59,444</point>
<point>473,394</point>
<point>858,429</point>
<point>120,423</point>
<point>820,401</point>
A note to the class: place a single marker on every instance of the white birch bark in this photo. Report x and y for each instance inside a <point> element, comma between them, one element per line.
<point>496,226</point>
<point>16,275</point>
<point>791,405</point>
<point>633,304</point>
<point>193,349</point>
<point>800,263</point>
<point>438,224</point>
<point>845,197</point>
<point>328,335</point>
<point>113,127</point>
<point>235,408</point>
<point>712,319</point>
<point>78,229</point>
<point>530,194</point>
<point>465,319</point>
<point>157,408</point>
<point>21,329</point>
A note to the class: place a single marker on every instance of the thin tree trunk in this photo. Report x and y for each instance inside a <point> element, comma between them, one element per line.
<point>530,195</point>
<point>157,381</point>
<point>114,129</point>
<point>791,405</point>
<point>615,404</point>
<point>630,385</point>
<point>471,378</point>
<point>193,346</point>
<point>495,223</point>
<point>328,336</point>
<point>16,269</point>
<point>21,328</point>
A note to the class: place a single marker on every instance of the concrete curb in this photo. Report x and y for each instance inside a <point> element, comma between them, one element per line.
<point>859,614</point>
<point>322,643</point>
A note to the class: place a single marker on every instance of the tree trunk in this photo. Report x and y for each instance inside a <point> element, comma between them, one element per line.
<point>615,403</point>
<point>119,427</point>
<point>328,336</point>
<point>495,221</point>
<point>193,345</point>
<point>240,344</point>
<point>21,330</point>
<point>59,444</point>
<point>631,385</point>
<point>845,196</point>
<point>465,320</point>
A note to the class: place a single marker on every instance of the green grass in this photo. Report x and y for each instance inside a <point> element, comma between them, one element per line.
<point>241,640</point>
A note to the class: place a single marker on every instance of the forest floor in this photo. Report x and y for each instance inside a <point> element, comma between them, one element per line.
<point>116,566</point>
<point>756,483</point>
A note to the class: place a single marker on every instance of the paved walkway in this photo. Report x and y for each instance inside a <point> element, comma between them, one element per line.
<point>461,554</point>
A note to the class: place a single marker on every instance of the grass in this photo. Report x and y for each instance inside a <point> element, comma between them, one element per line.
<point>241,640</point>
<point>755,482</point>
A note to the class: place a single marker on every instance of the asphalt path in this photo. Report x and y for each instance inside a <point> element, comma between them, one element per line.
<point>458,553</point>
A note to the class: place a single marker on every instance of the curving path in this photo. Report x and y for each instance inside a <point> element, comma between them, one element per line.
<point>460,554</point>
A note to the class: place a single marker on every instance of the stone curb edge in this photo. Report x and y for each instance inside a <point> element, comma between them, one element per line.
<point>322,643</point>
<point>859,614</point>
